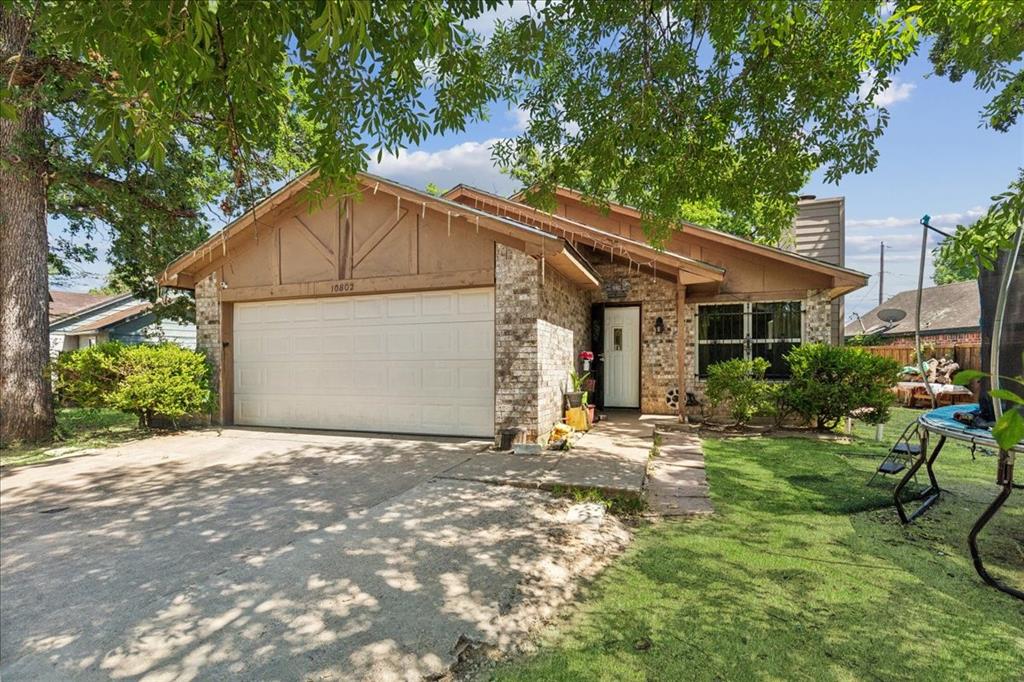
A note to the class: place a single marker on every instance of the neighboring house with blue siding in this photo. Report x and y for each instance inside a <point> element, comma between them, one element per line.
<point>82,320</point>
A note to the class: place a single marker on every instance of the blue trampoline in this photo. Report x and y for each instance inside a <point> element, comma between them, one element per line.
<point>942,422</point>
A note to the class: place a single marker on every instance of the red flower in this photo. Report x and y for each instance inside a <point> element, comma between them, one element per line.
<point>586,355</point>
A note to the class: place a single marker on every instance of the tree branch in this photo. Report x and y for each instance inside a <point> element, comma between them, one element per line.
<point>27,70</point>
<point>103,182</point>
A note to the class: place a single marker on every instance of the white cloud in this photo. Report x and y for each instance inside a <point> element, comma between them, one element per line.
<point>486,22</point>
<point>940,220</point>
<point>466,162</point>
<point>896,91</point>
<point>520,119</point>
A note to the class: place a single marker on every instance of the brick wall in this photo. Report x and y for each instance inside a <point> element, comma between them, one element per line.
<point>516,305</point>
<point>208,326</point>
<point>817,317</point>
<point>659,375</point>
<point>541,323</point>
<point>941,339</point>
<point>563,330</point>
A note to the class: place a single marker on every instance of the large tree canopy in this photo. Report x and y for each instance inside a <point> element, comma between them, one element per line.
<point>675,106</point>
<point>663,104</point>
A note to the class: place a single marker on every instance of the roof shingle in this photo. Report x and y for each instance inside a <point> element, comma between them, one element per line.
<point>945,307</point>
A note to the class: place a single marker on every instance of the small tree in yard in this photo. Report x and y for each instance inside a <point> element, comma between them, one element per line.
<point>740,384</point>
<point>829,382</point>
<point>86,377</point>
<point>164,380</point>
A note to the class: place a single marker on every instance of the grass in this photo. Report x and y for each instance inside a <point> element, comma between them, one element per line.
<point>620,504</point>
<point>804,573</point>
<point>78,429</point>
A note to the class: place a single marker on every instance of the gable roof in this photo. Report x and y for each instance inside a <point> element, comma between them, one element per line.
<point>948,307</point>
<point>557,251</point>
<point>103,307</point>
<point>116,317</point>
<point>691,269</point>
<point>847,279</point>
<point>64,303</point>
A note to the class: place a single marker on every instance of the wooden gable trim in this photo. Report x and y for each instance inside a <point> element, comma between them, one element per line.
<point>844,279</point>
<point>185,271</point>
<point>323,249</point>
<point>696,271</point>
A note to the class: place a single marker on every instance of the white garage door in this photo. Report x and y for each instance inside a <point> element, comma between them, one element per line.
<point>402,363</point>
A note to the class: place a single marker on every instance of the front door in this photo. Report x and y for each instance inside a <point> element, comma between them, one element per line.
<point>622,356</point>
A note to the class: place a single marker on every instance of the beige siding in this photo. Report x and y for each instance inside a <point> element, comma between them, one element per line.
<point>819,231</point>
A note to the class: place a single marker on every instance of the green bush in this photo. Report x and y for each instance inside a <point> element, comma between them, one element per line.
<point>741,385</point>
<point>85,377</point>
<point>162,380</point>
<point>828,383</point>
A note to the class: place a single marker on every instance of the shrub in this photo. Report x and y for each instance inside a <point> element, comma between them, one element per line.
<point>741,385</point>
<point>829,382</point>
<point>85,377</point>
<point>162,380</point>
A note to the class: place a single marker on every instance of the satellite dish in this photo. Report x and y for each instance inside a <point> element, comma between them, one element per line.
<point>891,315</point>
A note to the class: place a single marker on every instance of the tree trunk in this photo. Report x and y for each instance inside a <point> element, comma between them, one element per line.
<point>26,408</point>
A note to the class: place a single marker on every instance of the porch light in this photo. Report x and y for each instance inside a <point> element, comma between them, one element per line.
<point>659,326</point>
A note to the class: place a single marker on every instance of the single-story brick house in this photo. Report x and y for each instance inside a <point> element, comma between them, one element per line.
<point>950,314</point>
<point>401,311</point>
<point>79,320</point>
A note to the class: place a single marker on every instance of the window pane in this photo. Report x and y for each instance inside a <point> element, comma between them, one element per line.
<point>710,353</point>
<point>773,353</point>
<point>719,322</point>
<point>617,338</point>
<point>775,320</point>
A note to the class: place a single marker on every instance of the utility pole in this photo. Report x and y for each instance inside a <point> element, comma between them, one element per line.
<point>881,274</point>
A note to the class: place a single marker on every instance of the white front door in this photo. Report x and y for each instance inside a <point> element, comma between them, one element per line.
<point>622,356</point>
<point>404,363</point>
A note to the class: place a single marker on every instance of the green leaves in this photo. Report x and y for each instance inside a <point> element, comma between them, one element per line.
<point>966,376</point>
<point>690,103</point>
<point>1004,394</point>
<point>959,256</point>
<point>1009,429</point>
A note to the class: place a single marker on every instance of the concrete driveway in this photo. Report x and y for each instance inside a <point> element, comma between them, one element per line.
<point>268,555</point>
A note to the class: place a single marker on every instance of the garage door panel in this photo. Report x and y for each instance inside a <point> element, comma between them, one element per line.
<point>415,363</point>
<point>475,302</point>
<point>336,309</point>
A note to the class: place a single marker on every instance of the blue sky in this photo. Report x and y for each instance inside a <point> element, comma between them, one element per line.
<point>935,158</point>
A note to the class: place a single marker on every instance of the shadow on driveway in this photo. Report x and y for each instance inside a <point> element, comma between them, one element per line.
<point>259,555</point>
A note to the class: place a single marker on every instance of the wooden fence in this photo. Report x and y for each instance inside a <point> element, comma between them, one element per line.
<point>967,355</point>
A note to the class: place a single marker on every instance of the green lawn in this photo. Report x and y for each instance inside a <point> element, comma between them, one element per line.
<point>78,429</point>
<point>804,573</point>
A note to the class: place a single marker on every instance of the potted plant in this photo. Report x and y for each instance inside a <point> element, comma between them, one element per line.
<point>577,397</point>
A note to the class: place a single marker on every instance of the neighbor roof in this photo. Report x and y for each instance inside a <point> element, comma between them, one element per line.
<point>64,303</point>
<point>116,317</point>
<point>945,308</point>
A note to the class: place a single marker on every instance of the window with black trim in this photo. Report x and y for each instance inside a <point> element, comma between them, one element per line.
<point>748,330</point>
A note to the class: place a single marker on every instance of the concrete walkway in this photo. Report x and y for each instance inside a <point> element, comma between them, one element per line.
<point>676,480</point>
<point>611,457</point>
